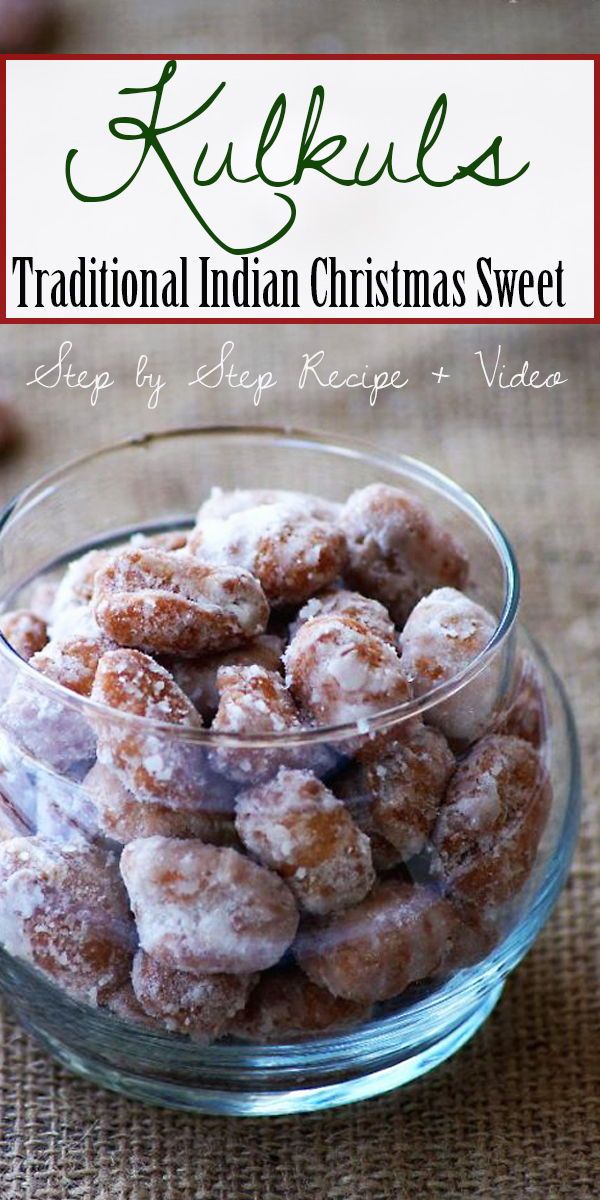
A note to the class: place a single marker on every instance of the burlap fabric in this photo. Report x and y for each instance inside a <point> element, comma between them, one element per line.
<point>516,1115</point>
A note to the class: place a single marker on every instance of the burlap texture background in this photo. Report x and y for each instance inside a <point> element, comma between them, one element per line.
<point>516,1115</point>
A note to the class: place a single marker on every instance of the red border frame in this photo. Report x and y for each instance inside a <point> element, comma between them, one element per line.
<point>236,320</point>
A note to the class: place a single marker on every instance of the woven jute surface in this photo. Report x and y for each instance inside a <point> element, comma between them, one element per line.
<point>516,1115</point>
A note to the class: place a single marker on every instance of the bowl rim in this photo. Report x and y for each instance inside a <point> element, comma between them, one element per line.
<point>345,446</point>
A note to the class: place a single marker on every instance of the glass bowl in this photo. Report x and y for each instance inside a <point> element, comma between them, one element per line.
<point>82,1008</point>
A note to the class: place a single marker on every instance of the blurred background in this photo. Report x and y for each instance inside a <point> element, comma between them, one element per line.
<point>516,1114</point>
<point>310,26</point>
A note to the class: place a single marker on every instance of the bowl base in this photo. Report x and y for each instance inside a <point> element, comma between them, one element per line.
<point>248,1103</point>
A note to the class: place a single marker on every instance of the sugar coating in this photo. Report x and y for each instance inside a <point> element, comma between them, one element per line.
<point>72,662</point>
<point>292,554</point>
<point>347,784</point>
<point>124,1003</point>
<point>197,677</point>
<point>168,603</point>
<point>66,605</point>
<point>398,795</point>
<point>489,827</point>
<point>360,609</point>
<point>401,933</point>
<point>77,583</point>
<point>296,826</point>
<point>63,811</point>
<point>202,1006</point>
<point>339,672</point>
<point>254,702</point>
<point>206,908</point>
<point>41,597</point>
<point>397,551</point>
<point>287,1006</point>
<point>526,713</point>
<point>134,683</point>
<point>156,767</point>
<point>75,591</point>
<point>75,620</point>
<point>71,613</point>
<point>170,539</point>
<point>64,909</point>
<point>224,504</point>
<point>123,817</point>
<point>443,634</point>
<point>24,631</point>
<point>46,725</point>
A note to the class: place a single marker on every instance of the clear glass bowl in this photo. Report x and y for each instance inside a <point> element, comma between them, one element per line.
<point>154,484</point>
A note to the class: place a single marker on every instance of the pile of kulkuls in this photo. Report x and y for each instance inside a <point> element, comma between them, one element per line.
<point>229,836</point>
